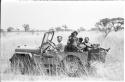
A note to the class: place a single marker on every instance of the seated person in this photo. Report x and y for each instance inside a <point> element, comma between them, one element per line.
<point>90,46</point>
<point>80,44</point>
<point>59,46</point>
<point>87,44</point>
<point>72,42</point>
<point>80,41</point>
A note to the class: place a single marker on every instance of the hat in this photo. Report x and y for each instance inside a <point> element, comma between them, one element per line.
<point>75,32</point>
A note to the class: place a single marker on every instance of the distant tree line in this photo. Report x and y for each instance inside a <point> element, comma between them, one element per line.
<point>62,28</point>
<point>25,27</point>
<point>105,25</point>
<point>66,28</point>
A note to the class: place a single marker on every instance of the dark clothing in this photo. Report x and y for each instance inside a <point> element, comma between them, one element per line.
<point>72,40</point>
<point>72,44</point>
<point>87,46</point>
<point>71,48</point>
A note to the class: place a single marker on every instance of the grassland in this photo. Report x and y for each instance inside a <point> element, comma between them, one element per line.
<point>113,69</point>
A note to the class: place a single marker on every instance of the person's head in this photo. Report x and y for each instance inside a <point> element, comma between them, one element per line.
<point>59,38</point>
<point>80,40</point>
<point>74,34</point>
<point>86,39</point>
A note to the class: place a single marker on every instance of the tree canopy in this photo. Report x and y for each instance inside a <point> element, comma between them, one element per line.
<point>107,25</point>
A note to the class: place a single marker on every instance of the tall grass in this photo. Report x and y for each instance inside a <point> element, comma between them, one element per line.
<point>112,70</point>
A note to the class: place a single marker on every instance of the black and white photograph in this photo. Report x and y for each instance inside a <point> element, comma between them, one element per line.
<point>62,40</point>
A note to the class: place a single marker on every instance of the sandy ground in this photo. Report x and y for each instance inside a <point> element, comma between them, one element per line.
<point>113,69</point>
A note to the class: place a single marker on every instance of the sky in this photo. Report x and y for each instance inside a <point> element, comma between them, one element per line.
<point>44,15</point>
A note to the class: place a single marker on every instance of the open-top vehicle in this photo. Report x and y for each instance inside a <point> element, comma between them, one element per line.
<point>46,59</point>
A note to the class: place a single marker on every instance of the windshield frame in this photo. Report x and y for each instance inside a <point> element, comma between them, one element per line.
<point>46,37</point>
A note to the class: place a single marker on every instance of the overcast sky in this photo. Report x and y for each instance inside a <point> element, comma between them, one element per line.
<point>44,15</point>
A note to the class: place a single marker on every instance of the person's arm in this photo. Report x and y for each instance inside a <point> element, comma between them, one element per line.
<point>105,49</point>
<point>89,46</point>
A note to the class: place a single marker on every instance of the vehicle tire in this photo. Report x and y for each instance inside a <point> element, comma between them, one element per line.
<point>71,66</point>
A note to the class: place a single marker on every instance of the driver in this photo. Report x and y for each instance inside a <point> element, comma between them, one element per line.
<point>59,46</point>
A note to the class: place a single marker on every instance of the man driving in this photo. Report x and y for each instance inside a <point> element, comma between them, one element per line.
<point>59,46</point>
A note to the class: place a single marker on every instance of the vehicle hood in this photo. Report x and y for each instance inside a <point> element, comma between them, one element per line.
<point>27,49</point>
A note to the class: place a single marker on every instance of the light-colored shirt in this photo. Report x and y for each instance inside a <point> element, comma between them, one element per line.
<point>60,47</point>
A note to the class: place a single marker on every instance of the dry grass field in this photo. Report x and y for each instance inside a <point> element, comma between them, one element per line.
<point>113,69</point>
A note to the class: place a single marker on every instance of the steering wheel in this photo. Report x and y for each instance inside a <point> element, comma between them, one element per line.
<point>51,44</point>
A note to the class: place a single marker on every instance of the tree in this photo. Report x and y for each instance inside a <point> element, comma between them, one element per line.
<point>104,25</point>
<point>118,23</point>
<point>81,29</point>
<point>107,25</point>
<point>17,29</point>
<point>51,29</point>
<point>1,30</point>
<point>10,29</point>
<point>58,29</point>
<point>26,27</point>
<point>105,21</point>
<point>65,27</point>
<point>94,29</point>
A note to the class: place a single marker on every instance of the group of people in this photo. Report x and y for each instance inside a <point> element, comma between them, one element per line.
<point>74,43</point>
